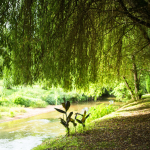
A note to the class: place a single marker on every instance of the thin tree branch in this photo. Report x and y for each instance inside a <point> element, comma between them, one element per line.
<point>134,19</point>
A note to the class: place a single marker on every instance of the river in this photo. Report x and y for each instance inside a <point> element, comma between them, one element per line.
<point>24,134</point>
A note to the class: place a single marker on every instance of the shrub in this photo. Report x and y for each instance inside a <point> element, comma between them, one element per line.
<point>38,104</point>
<point>5,102</point>
<point>84,98</point>
<point>4,109</point>
<point>49,99</point>
<point>100,111</point>
<point>120,91</point>
<point>11,114</point>
<point>21,101</point>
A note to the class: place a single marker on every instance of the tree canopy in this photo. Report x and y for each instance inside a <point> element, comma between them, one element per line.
<point>74,42</point>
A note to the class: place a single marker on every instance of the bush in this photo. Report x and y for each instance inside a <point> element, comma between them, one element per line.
<point>38,104</point>
<point>21,101</point>
<point>11,114</point>
<point>49,99</point>
<point>4,109</point>
<point>120,91</point>
<point>100,111</point>
<point>5,102</point>
<point>84,98</point>
<point>75,97</point>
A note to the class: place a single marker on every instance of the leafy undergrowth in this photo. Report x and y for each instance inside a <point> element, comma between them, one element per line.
<point>129,131</point>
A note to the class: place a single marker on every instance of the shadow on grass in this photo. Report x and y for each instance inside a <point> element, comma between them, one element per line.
<point>121,133</point>
<point>136,109</point>
<point>116,133</point>
<point>134,103</point>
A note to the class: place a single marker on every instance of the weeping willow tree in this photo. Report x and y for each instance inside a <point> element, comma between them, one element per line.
<point>74,42</point>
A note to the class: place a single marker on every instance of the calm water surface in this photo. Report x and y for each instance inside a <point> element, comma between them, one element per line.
<point>24,134</point>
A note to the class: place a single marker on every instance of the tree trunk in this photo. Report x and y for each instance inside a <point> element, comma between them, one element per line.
<point>129,88</point>
<point>136,81</point>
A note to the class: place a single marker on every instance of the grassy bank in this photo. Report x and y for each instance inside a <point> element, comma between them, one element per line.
<point>126,128</point>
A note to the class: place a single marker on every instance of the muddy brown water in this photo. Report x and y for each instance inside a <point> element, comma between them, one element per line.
<point>25,134</point>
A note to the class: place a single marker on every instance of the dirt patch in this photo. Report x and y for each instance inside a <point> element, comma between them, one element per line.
<point>31,112</point>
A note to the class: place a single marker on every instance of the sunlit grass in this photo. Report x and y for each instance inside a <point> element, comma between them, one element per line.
<point>11,111</point>
<point>4,109</point>
<point>100,111</point>
<point>146,96</point>
<point>62,143</point>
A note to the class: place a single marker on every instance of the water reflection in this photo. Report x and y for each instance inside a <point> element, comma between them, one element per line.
<point>24,134</point>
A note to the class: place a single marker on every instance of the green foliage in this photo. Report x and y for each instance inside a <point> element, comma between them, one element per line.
<point>38,104</point>
<point>100,111</point>
<point>29,103</point>
<point>5,102</point>
<point>85,48</point>
<point>58,94</point>
<point>11,110</point>
<point>11,114</point>
<point>4,109</point>
<point>148,83</point>
<point>146,96</point>
<point>83,119</point>
<point>120,91</point>
<point>65,122</point>
<point>7,78</point>
<point>21,101</point>
<point>75,97</point>
<point>50,99</point>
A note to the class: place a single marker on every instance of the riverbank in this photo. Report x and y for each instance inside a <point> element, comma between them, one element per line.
<point>29,112</point>
<point>127,128</point>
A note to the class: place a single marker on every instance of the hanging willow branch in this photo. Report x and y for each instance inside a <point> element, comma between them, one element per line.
<point>70,43</point>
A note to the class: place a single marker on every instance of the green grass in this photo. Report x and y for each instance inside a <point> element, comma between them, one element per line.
<point>63,143</point>
<point>100,111</point>
<point>11,111</point>
<point>95,113</point>
<point>146,96</point>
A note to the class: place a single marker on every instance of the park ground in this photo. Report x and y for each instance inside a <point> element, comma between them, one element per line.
<point>128,128</point>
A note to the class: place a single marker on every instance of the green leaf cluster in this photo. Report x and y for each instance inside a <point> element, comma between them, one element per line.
<point>65,122</point>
